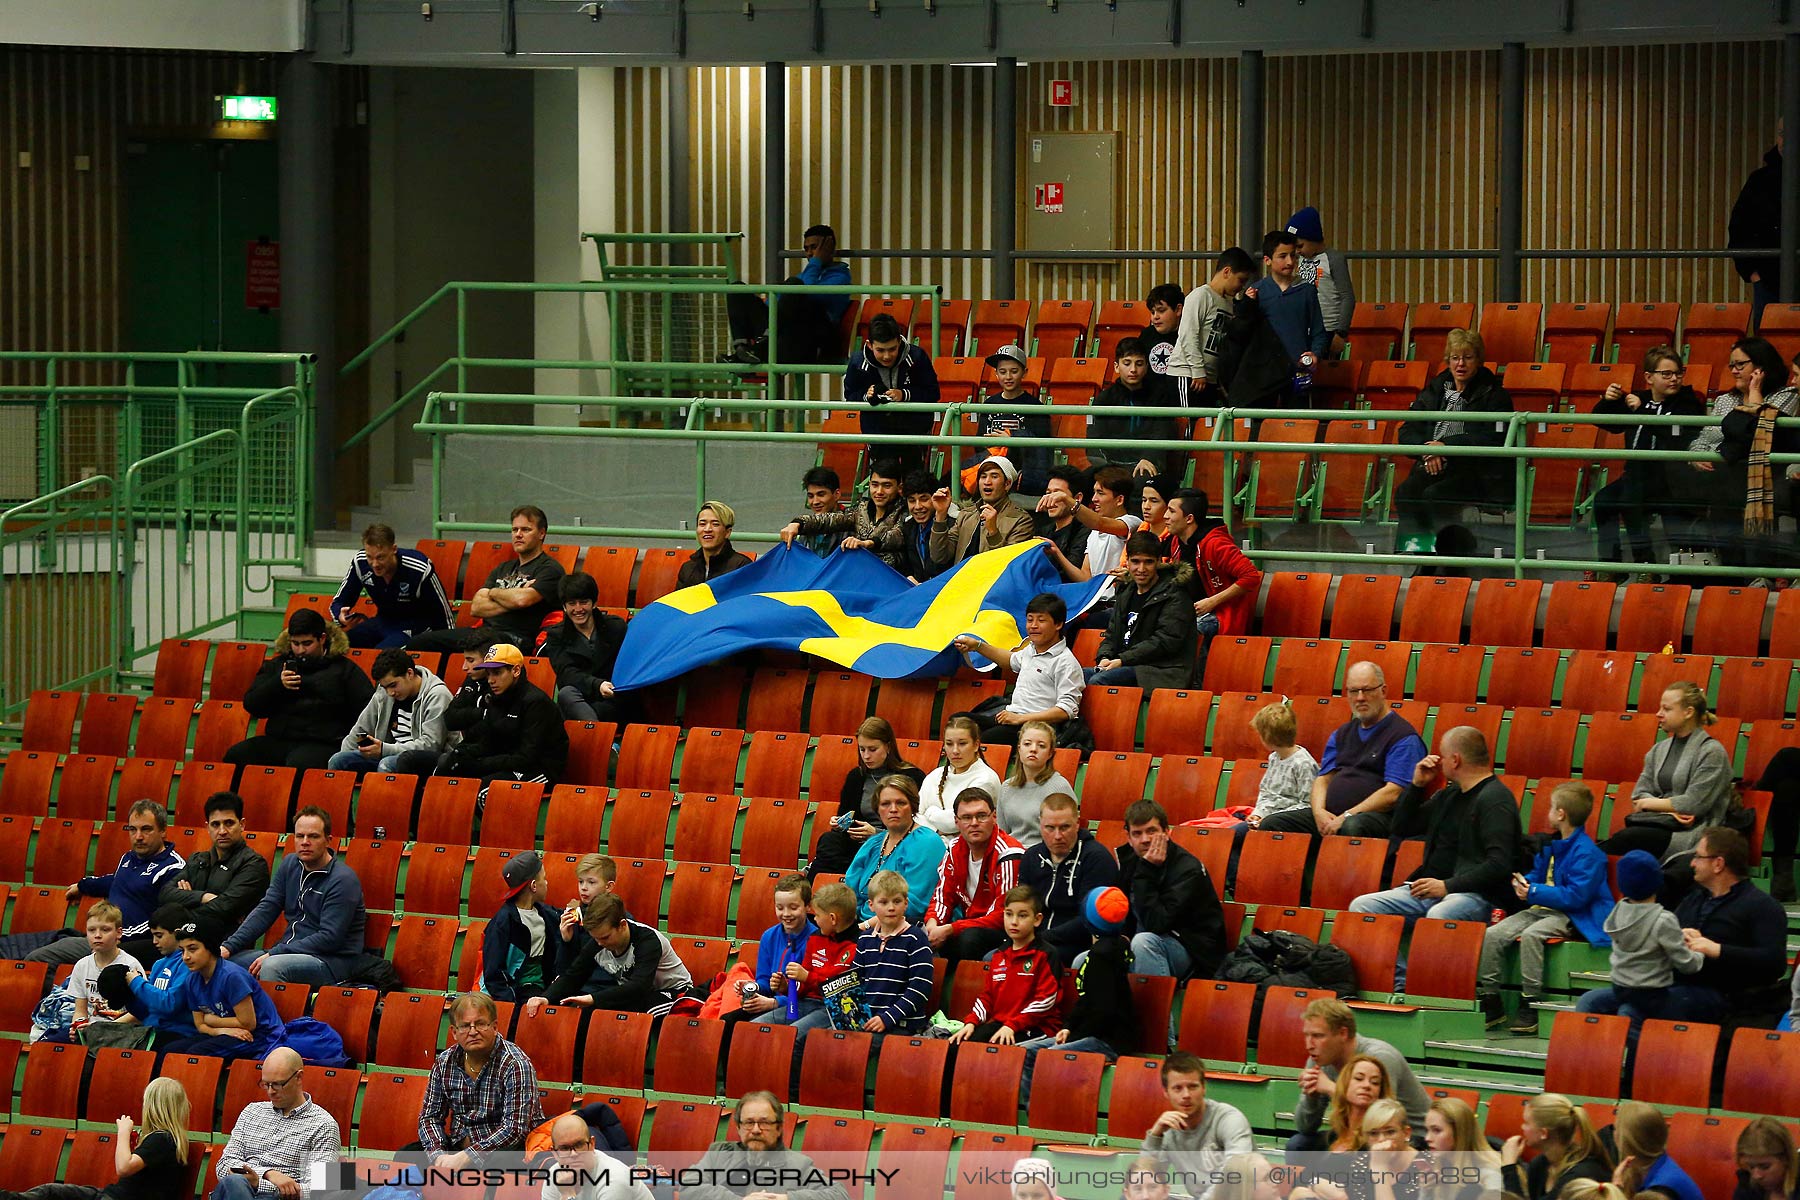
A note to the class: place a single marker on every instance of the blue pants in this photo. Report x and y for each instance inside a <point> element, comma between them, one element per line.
<point>1031,1046</point>
<point>1677,1002</point>
<point>1114,677</point>
<point>233,1187</point>
<point>377,633</point>
<point>355,760</point>
<point>1457,906</point>
<point>292,968</point>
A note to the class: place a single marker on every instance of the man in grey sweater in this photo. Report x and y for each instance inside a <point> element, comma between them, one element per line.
<point>1194,1136</point>
<point>757,1164</point>
<point>1329,1027</point>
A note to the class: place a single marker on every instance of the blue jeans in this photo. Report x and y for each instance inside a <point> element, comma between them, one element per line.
<point>1677,1002</point>
<point>1153,954</point>
<point>1207,624</point>
<point>1115,677</point>
<point>292,968</point>
<point>1399,901</point>
<point>357,761</point>
<point>377,633</point>
<point>233,1187</point>
<point>1031,1046</point>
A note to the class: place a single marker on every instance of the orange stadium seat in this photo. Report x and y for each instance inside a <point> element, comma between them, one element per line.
<point>1345,482</point>
<point>840,702</point>
<point>1364,607</point>
<point>1710,329</point>
<point>50,721</point>
<point>1279,477</point>
<point>1674,1063</point>
<point>1661,670</point>
<point>1064,1083</point>
<point>647,756</point>
<point>1237,663</point>
<point>1755,689</point>
<point>25,784</point>
<point>775,700</point>
<point>1271,868</point>
<point>998,323</point>
<point>1449,673</point>
<point>984,1086</point>
<point>1393,658</point>
<point>900,308</point>
<point>1505,612</point>
<point>617,1050</point>
<point>1588,382</point>
<point>657,574</point>
<point>1541,741</point>
<point>1060,328</point>
<point>1215,1020</point>
<point>446,560</point>
<point>1522,677</point>
<point>1348,867</point>
<point>106,719</point>
<point>223,723</point>
<point>1372,940</point>
<point>771,835</point>
<point>447,809</point>
<point>484,559</point>
<point>1118,320</point>
<point>1337,382</point>
<point>906,705</point>
<point>1638,328</point>
<point>1509,333</point>
<point>1598,680</point>
<point>390,1111</point>
<point>704,828</point>
<point>1576,333</point>
<point>1616,745</point>
<point>1441,961</point>
<point>1536,386</point>
<point>1586,1052</point>
<point>1278,1040</point>
<point>953,319</point>
<point>1431,324</point>
<point>181,668</point>
<point>1434,609</point>
<point>1391,385</point>
<point>1187,786</point>
<point>1112,714</point>
<point>1294,604</point>
<point>709,760</point>
<point>1579,614</point>
<point>1377,330</point>
<point>1762,1073</point>
<point>1730,620</point>
<point>687,1057</point>
<point>1652,616</point>
<point>84,789</point>
<point>1307,667</point>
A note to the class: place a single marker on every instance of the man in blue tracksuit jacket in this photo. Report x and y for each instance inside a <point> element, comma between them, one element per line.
<point>134,886</point>
<point>159,999</point>
<point>409,597</point>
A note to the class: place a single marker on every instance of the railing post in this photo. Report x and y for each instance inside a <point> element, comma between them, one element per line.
<point>1005,172</point>
<point>49,434</point>
<point>1251,135</point>
<point>1510,233</point>
<point>1521,496</point>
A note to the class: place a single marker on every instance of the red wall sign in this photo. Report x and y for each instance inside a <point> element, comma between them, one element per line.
<point>1049,197</point>
<point>1062,93</point>
<point>262,276</point>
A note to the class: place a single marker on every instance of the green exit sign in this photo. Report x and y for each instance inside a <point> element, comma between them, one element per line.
<point>247,108</point>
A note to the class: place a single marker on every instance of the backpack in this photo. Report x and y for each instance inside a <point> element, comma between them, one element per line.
<point>1278,958</point>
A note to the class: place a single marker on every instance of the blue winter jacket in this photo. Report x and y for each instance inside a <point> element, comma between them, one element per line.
<point>159,999</point>
<point>777,950</point>
<point>1580,889</point>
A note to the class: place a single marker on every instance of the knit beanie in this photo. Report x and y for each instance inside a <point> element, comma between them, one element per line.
<point>1306,225</point>
<point>1640,875</point>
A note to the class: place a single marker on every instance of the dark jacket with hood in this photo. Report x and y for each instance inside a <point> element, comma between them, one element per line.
<point>1160,643</point>
<point>1681,403</point>
<point>506,948</point>
<point>1175,898</point>
<point>1158,391</point>
<point>520,730</point>
<point>583,662</point>
<point>236,882</point>
<point>1064,887</point>
<point>1103,1007</point>
<point>911,373</point>
<point>1254,364</point>
<point>1756,221</point>
<point>697,570</point>
<point>331,695</point>
<point>1483,395</point>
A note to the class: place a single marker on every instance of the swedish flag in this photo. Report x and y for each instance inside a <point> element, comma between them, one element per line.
<point>850,608</point>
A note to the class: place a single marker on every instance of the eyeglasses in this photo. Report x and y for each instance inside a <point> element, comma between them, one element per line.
<point>1737,364</point>
<point>278,1084</point>
<point>576,1148</point>
<point>472,1026</point>
<point>975,818</point>
<point>1663,374</point>
<point>757,1122</point>
<point>1365,691</point>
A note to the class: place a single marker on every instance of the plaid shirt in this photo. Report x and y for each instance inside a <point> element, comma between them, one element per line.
<point>290,1142</point>
<point>493,1111</point>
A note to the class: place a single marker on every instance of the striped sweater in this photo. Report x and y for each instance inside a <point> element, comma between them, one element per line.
<point>896,977</point>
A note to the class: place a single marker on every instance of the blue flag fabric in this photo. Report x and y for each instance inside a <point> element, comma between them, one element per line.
<point>850,608</point>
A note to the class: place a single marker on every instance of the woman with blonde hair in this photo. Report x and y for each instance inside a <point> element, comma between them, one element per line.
<point>1685,784</point>
<point>1451,1128</point>
<point>1568,1149</point>
<point>1641,1136</point>
<point>1241,1177</point>
<point>154,1169</point>
<point>1360,1082</point>
<point>1031,777</point>
<point>1768,1167</point>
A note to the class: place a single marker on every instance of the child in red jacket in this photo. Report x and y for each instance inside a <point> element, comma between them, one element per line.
<point>1022,994</point>
<point>829,952</point>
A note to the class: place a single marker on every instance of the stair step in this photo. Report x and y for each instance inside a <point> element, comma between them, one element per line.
<point>1488,1050</point>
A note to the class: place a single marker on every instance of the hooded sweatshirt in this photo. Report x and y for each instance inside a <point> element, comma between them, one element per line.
<point>1217,564</point>
<point>1064,887</point>
<point>331,695</point>
<point>377,717</point>
<point>911,374</point>
<point>1647,946</point>
<point>1154,631</point>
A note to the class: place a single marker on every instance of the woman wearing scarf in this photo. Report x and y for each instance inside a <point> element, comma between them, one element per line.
<point>1748,435</point>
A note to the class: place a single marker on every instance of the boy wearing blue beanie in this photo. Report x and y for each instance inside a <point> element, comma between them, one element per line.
<point>1648,948</point>
<point>1328,272</point>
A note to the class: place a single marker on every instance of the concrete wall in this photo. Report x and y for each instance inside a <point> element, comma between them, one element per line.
<point>261,25</point>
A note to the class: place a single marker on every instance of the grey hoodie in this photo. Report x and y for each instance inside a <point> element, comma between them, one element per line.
<point>1647,946</point>
<point>428,717</point>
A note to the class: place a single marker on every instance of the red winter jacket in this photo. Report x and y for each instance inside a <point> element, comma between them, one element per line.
<point>825,957</point>
<point>1000,874</point>
<point>1217,565</point>
<point>1022,993</point>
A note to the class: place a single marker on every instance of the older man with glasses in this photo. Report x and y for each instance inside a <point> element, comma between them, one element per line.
<point>482,1096</point>
<point>758,1166</point>
<point>1366,765</point>
<point>276,1141</point>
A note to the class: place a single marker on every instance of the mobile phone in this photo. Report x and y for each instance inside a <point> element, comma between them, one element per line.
<point>365,740</point>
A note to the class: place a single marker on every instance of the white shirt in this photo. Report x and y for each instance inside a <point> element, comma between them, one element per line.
<point>1107,550</point>
<point>619,1184</point>
<point>84,981</point>
<point>937,795</point>
<point>1047,679</point>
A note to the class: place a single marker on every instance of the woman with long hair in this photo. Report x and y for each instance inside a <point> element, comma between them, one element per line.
<point>153,1169</point>
<point>1748,436</point>
<point>1715,492</point>
<point>1451,1128</point>
<point>1567,1148</point>
<point>1768,1167</point>
<point>905,847</point>
<point>1641,1136</point>
<point>960,767</point>
<point>1641,489</point>
<point>877,757</point>
<point>1685,784</point>
<point>1030,777</point>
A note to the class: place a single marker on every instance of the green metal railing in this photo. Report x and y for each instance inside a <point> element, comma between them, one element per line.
<point>440,422</point>
<point>94,574</point>
<point>629,375</point>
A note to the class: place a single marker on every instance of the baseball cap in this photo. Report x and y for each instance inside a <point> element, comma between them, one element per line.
<point>1007,352</point>
<point>501,654</point>
<point>519,871</point>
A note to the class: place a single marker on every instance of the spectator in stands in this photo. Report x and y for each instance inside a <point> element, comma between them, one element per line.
<point>1225,583</point>
<point>1328,272</point>
<point>408,596</point>
<point>519,951</point>
<point>322,899</point>
<point>1102,1020</point>
<point>1201,335</point>
<point>154,1169</point>
<point>1150,639</point>
<point>1164,304</point>
<point>1291,304</point>
<point>875,524</point>
<point>1767,1166</point>
<point>595,874</point>
<point>993,522</point>
<point>401,729</point>
<point>1368,761</point>
<point>307,695</point>
<point>482,1096</point>
<point>1747,436</point>
<point>1176,925</point>
<point>877,757</point>
<point>1567,1149</point>
<point>1439,486</point>
<point>1471,828</point>
<point>824,498</point>
<point>807,328</point>
<point>1242,1177</point>
<point>1290,773</point>
<point>1700,487</point>
<point>520,594</point>
<point>716,555</point>
<point>1756,225</point>
<point>758,1165</point>
<point>1194,1135</point>
<point>1023,417</point>
<point>1047,681</point>
<point>1451,1128</point>
<point>915,560</point>
<point>233,1017</point>
<point>624,965</point>
<point>1022,995</point>
<point>1153,497</point>
<point>1066,489</point>
<point>1647,947</point>
<point>1033,1179</point>
<point>133,886</point>
<point>159,998</point>
<point>1737,928</point>
<point>1685,784</point>
<point>1108,524</point>
<point>961,766</point>
<point>107,1025</point>
<point>1641,1138</point>
<point>906,847</point>
<point>967,912</point>
<point>1781,779</point>
<point>1030,777</point>
<point>785,944</point>
<point>1565,896</point>
<point>894,960</point>
<point>510,730</point>
<point>1642,489</point>
<point>1362,1082</point>
<point>828,951</point>
<point>583,1172</point>
<point>1135,385</point>
<point>1332,1043</point>
<point>276,1142</point>
<point>1065,865</point>
<point>889,371</point>
<point>583,649</point>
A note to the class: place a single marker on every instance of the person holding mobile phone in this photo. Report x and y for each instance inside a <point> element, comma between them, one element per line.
<point>276,1141</point>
